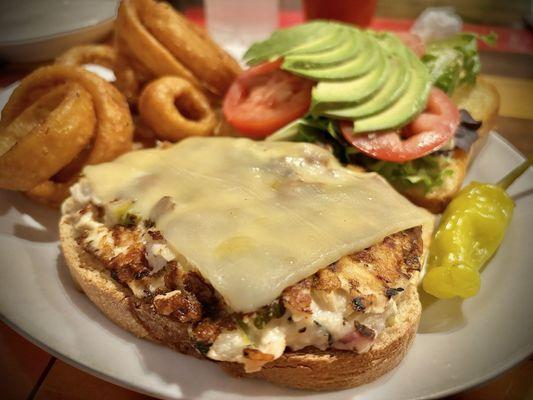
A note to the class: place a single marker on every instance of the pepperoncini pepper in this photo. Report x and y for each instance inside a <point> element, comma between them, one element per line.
<point>470,231</point>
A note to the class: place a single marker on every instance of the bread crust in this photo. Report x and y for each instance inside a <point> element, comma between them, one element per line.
<point>482,101</point>
<point>96,282</point>
<point>308,368</point>
<point>314,369</point>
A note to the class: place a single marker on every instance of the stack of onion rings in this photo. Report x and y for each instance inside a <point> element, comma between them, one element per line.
<point>57,120</point>
<point>63,117</point>
<point>154,40</point>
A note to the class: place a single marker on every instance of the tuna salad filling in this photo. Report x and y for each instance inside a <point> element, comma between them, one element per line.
<point>344,306</point>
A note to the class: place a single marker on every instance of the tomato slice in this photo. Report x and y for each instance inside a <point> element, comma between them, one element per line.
<point>430,130</point>
<point>265,98</point>
<point>414,42</point>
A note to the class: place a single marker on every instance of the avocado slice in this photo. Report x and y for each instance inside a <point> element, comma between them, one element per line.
<point>349,91</point>
<point>286,133</point>
<point>406,107</point>
<point>362,62</point>
<point>349,46</point>
<point>283,40</point>
<point>331,38</point>
<point>394,87</point>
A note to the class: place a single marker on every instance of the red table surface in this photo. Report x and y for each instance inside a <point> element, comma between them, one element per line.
<point>510,40</point>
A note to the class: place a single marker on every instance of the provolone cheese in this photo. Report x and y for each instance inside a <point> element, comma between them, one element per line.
<point>254,217</point>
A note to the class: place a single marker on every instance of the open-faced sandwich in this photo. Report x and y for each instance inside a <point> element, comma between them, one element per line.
<point>270,258</point>
<point>414,112</point>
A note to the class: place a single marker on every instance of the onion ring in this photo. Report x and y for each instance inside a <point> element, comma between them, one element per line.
<point>51,193</point>
<point>127,78</point>
<point>110,132</point>
<point>45,137</point>
<point>163,42</point>
<point>99,54</point>
<point>175,109</point>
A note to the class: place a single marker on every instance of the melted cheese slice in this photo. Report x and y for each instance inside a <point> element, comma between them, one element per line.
<point>255,217</point>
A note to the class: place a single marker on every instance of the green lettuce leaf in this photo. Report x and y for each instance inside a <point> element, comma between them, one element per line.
<point>455,61</point>
<point>427,172</point>
<point>319,130</point>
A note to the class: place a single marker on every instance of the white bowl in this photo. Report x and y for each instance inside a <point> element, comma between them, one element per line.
<point>38,30</point>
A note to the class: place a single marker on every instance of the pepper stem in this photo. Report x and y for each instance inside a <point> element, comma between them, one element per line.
<point>508,179</point>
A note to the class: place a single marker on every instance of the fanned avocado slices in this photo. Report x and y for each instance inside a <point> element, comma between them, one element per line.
<point>353,90</point>
<point>394,87</point>
<point>360,64</point>
<point>284,40</point>
<point>406,108</point>
<point>349,46</point>
<point>332,37</point>
<point>368,77</point>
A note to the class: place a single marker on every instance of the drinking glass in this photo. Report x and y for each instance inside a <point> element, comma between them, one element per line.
<point>236,24</point>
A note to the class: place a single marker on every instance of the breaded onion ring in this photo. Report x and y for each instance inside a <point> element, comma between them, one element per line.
<point>57,120</point>
<point>51,193</point>
<point>99,54</point>
<point>175,109</point>
<point>159,41</point>
<point>127,78</point>
<point>45,137</point>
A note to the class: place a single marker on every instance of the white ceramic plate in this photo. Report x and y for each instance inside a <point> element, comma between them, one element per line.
<point>458,346</point>
<point>36,30</point>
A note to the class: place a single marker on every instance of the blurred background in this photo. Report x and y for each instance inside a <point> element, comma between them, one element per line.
<point>39,30</point>
<point>509,13</point>
<point>490,13</point>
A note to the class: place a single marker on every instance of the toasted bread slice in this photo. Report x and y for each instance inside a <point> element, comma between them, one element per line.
<point>482,102</point>
<point>332,369</point>
<point>308,368</point>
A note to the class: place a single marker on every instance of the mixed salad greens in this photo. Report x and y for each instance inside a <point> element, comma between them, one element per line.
<point>455,61</point>
<point>451,63</point>
<point>426,172</point>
